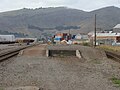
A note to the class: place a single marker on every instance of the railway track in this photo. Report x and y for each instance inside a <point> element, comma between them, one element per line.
<point>5,54</point>
<point>113,55</point>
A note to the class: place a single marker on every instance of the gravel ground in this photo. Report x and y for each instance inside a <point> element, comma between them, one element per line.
<point>4,47</point>
<point>65,73</point>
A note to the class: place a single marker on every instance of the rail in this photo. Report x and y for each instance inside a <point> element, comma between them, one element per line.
<point>113,55</point>
<point>5,54</point>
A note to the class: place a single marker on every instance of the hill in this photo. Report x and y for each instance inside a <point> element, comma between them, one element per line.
<point>45,21</point>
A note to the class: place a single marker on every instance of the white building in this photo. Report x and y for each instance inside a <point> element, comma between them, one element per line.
<point>116,28</point>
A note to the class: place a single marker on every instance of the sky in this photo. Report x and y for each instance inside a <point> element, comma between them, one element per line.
<point>86,5</point>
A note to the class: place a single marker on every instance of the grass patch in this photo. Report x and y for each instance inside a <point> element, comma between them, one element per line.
<point>85,44</point>
<point>111,48</point>
<point>116,81</point>
<point>1,88</point>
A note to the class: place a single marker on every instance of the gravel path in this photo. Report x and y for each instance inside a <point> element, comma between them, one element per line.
<point>66,73</point>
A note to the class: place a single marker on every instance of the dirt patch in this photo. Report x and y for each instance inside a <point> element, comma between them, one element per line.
<point>39,50</point>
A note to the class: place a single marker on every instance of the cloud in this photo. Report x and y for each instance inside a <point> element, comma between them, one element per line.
<point>94,4</point>
<point>79,4</point>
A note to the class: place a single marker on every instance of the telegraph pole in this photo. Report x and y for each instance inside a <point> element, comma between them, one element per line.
<point>95,32</point>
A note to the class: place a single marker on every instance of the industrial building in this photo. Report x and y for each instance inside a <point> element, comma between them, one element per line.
<point>106,38</point>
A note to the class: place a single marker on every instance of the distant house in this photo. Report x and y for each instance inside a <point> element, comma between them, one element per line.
<point>78,36</point>
<point>81,36</point>
<point>80,39</point>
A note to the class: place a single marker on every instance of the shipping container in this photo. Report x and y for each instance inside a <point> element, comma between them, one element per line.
<point>6,39</point>
<point>61,34</point>
<point>58,36</point>
<point>57,39</point>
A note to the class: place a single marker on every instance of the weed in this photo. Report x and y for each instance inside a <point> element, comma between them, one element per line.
<point>115,81</point>
<point>1,88</point>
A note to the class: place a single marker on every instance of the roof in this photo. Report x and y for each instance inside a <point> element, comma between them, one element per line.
<point>117,26</point>
<point>26,38</point>
<point>6,35</point>
<point>107,34</point>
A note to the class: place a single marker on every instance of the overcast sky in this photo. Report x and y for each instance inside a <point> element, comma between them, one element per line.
<point>86,5</point>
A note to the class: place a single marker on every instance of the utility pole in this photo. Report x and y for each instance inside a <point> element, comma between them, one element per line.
<point>69,31</point>
<point>69,34</point>
<point>95,33</point>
